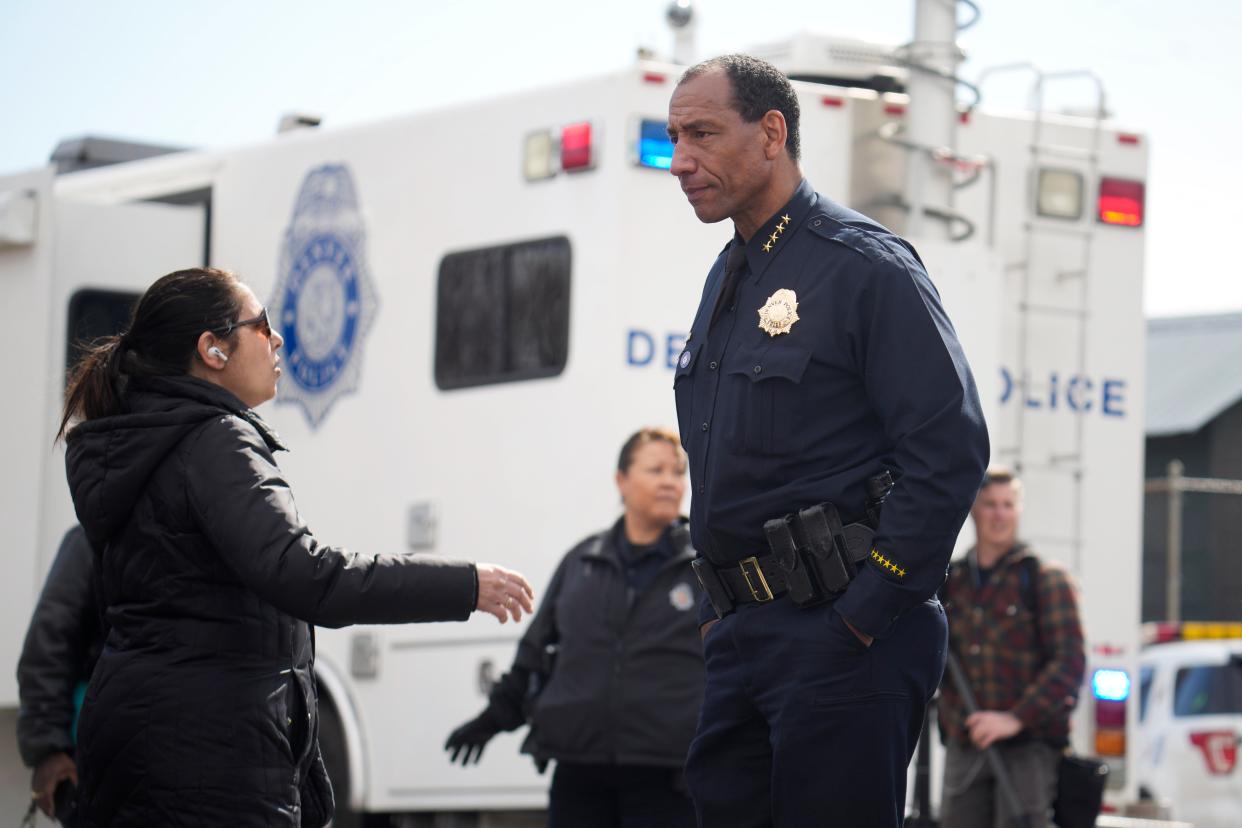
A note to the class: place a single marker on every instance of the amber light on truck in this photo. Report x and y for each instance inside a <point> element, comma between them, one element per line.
<point>1120,202</point>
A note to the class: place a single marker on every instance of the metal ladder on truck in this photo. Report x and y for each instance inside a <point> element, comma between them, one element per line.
<point>1067,459</point>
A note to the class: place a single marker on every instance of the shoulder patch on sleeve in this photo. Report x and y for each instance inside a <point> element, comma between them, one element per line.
<point>868,245</point>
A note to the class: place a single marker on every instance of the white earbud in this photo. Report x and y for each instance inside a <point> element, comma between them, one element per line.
<point>216,352</point>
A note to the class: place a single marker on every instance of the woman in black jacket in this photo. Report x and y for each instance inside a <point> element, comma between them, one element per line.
<point>202,709</point>
<point>610,672</point>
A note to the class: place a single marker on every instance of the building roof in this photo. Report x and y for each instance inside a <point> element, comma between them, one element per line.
<point>1194,371</point>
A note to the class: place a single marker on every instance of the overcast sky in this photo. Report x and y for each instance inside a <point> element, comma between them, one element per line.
<point>219,73</point>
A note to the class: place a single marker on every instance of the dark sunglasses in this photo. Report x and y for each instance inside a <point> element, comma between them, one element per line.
<point>260,321</point>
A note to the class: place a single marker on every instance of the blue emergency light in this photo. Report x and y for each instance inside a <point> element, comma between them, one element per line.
<point>655,150</point>
<point>1111,685</point>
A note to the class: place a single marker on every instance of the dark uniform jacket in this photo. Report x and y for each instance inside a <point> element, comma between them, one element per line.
<point>1019,642</point>
<point>202,708</point>
<point>869,377</point>
<point>60,651</point>
<point>627,676</point>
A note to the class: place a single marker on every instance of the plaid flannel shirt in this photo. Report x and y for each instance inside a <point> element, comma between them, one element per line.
<point>1010,666</point>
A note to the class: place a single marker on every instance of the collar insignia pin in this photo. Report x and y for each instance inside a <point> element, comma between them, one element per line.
<point>780,312</point>
<point>776,234</point>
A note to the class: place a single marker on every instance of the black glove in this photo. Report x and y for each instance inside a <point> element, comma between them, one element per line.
<point>469,740</point>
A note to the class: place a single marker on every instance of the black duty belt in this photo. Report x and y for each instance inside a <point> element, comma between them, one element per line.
<point>754,579</point>
<point>813,558</point>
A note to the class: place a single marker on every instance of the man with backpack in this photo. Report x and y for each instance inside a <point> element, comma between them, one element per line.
<point>1014,627</point>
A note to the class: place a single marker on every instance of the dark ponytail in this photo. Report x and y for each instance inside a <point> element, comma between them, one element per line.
<point>162,340</point>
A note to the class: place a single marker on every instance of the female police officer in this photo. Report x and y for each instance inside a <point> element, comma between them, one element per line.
<point>202,707</point>
<point>611,669</point>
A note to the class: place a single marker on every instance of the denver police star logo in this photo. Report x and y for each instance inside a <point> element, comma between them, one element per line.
<point>681,597</point>
<point>779,313</point>
<point>325,302</point>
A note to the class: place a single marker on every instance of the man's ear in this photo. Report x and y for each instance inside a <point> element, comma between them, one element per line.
<point>775,133</point>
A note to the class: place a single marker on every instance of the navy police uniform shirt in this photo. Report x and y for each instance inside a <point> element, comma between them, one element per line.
<point>869,376</point>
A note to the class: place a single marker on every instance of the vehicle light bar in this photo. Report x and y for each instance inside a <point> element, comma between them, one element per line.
<point>1121,202</point>
<point>1203,630</point>
<point>1162,632</point>
<point>655,150</point>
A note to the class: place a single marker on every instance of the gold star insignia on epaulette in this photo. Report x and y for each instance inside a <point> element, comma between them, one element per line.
<point>885,564</point>
<point>776,234</point>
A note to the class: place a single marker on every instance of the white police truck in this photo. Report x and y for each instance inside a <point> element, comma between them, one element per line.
<point>480,303</point>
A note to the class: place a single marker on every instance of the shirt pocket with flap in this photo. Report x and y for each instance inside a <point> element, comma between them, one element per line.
<point>766,398</point>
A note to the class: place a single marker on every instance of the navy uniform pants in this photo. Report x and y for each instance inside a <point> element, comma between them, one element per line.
<point>804,725</point>
<point>618,796</point>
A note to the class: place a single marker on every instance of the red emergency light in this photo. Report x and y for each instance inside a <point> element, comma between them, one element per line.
<point>832,101</point>
<point>1120,202</point>
<point>576,147</point>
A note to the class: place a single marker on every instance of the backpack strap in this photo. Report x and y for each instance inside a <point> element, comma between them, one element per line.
<point>1028,587</point>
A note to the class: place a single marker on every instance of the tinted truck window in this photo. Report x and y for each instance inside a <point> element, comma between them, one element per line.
<point>502,314</point>
<point>94,314</point>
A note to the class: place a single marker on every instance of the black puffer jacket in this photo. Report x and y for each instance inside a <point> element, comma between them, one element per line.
<point>627,679</point>
<point>202,708</point>
<point>60,651</point>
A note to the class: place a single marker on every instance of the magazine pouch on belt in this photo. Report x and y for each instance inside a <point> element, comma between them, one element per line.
<point>802,588</point>
<point>824,542</point>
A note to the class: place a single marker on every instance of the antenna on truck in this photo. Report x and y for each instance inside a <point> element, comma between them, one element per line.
<point>680,17</point>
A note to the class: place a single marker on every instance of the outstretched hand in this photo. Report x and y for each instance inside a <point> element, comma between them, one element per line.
<point>503,592</point>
